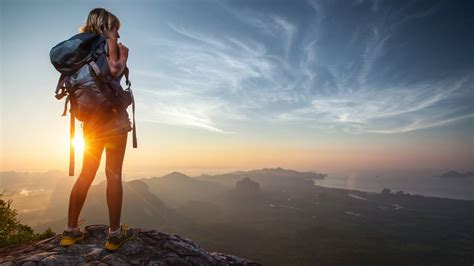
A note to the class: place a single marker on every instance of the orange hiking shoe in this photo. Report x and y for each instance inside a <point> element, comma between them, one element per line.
<point>71,237</point>
<point>115,242</point>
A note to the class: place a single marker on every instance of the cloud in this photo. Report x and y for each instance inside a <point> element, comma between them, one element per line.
<point>373,50</point>
<point>393,110</point>
<point>288,30</point>
<point>267,23</point>
<point>332,81</point>
<point>175,107</point>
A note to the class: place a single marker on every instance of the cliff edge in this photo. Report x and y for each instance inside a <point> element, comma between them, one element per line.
<point>151,247</point>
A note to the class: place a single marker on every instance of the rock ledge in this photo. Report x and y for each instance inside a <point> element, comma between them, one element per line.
<point>151,247</point>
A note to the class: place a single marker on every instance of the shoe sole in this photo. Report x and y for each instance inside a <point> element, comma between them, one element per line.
<point>113,247</point>
<point>65,242</point>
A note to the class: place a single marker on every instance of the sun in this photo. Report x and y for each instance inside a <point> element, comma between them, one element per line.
<point>78,143</point>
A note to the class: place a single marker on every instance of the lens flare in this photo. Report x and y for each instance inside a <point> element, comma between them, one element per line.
<point>78,143</point>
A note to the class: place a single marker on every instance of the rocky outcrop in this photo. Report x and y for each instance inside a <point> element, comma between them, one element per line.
<point>151,247</point>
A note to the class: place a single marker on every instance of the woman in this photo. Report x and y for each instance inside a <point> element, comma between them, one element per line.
<point>109,132</point>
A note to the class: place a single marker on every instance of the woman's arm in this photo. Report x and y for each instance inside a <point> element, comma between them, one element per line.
<point>118,55</point>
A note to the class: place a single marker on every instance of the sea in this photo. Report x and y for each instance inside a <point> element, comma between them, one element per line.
<point>426,185</point>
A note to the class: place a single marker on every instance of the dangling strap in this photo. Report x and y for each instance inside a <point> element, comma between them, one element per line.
<point>126,73</point>
<point>60,87</point>
<point>65,106</point>
<point>71,145</point>
<point>59,95</point>
<point>129,85</point>
<point>134,123</point>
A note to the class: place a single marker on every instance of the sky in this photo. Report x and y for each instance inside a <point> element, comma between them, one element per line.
<point>326,86</point>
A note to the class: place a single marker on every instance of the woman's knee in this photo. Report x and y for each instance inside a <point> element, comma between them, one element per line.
<point>88,173</point>
<point>113,175</point>
<point>83,182</point>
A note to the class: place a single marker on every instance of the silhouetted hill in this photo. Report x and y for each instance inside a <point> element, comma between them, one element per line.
<point>151,247</point>
<point>176,176</point>
<point>177,188</point>
<point>247,187</point>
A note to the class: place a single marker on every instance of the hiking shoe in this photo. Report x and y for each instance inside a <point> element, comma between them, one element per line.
<point>71,237</point>
<point>115,242</point>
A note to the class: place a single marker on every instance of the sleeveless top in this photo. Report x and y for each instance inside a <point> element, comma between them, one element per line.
<point>117,123</point>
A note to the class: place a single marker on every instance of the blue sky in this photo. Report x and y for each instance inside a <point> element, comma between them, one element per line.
<point>296,73</point>
<point>357,67</point>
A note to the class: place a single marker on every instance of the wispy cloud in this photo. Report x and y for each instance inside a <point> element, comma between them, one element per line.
<point>373,50</point>
<point>210,78</point>
<point>270,24</point>
<point>175,107</point>
<point>392,110</point>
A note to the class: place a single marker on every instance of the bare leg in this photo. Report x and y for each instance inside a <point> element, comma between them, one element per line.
<point>115,153</point>
<point>90,164</point>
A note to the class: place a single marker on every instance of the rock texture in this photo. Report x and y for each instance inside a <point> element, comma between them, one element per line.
<point>151,247</point>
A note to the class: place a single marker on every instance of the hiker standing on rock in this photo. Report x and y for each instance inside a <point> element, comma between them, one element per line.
<point>103,131</point>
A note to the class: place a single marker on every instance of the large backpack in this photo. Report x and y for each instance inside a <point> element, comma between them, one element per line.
<point>86,83</point>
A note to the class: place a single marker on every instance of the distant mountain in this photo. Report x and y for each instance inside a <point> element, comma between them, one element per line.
<point>177,177</point>
<point>177,188</point>
<point>268,178</point>
<point>246,193</point>
<point>455,174</point>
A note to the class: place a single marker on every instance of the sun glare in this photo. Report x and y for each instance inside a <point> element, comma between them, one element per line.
<point>78,143</point>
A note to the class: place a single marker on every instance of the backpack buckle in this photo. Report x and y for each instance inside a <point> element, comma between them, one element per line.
<point>60,95</point>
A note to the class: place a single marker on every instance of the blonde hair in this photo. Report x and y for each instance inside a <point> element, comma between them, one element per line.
<point>100,21</point>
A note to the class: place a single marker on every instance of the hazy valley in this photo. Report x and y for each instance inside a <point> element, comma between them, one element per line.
<point>273,216</point>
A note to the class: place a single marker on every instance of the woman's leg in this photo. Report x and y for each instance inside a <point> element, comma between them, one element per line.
<point>115,153</point>
<point>90,164</point>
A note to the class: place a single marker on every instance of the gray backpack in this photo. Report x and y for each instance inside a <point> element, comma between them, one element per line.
<point>86,83</point>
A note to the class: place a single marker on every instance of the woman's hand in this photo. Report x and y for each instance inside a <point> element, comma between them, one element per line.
<point>118,56</point>
<point>123,53</point>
